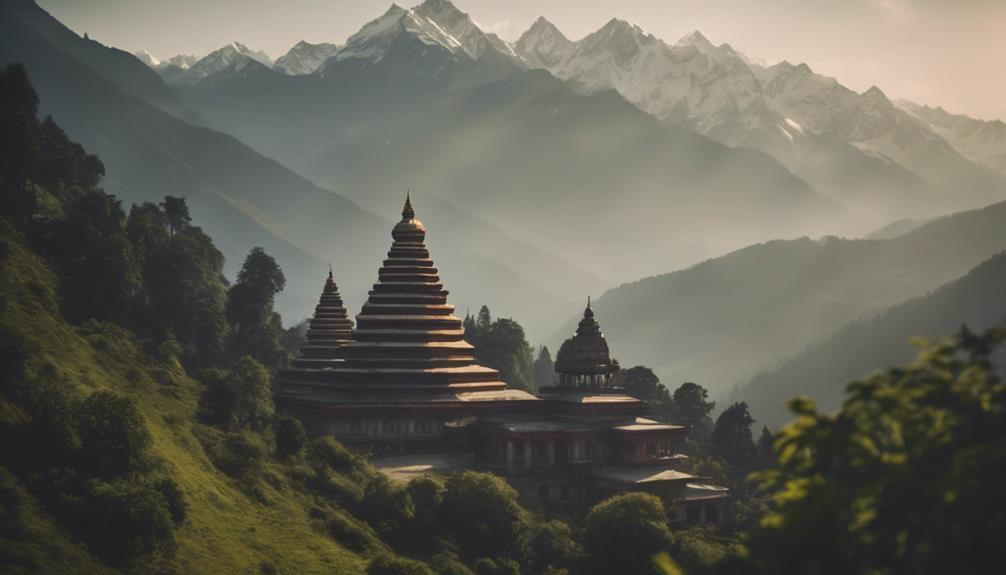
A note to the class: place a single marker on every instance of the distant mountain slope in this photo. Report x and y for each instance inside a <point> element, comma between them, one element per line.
<point>894,229</point>
<point>859,148</point>
<point>721,322</point>
<point>233,54</point>
<point>591,178</point>
<point>980,140</point>
<point>241,197</point>
<point>118,66</point>
<point>245,200</point>
<point>821,371</point>
<point>305,58</point>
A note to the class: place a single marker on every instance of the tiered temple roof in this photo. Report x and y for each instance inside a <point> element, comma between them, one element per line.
<point>408,346</point>
<point>327,331</point>
<point>584,359</point>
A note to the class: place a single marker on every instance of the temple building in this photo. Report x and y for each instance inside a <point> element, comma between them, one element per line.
<point>404,380</point>
<point>592,440</point>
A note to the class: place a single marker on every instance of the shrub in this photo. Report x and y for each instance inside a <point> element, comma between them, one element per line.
<point>427,494</point>
<point>552,545</point>
<point>290,437</point>
<point>239,398</point>
<point>394,565</point>
<point>350,533</point>
<point>123,520</point>
<point>386,506</point>
<point>173,498</point>
<point>113,437</point>
<point>481,511</point>
<point>341,488</point>
<point>239,454</point>
<point>626,530</point>
<point>332,454</point>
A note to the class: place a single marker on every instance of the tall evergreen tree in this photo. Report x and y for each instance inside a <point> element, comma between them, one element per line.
<point>733,440</point>
<point>640,381</point>
<point>690,407</point>
<point>177,213</point>
<point>20,143</point>
<point>187,292</point>
<point>256,329</point>
<point>766,452</point>
<point>543,372</point>
<point>501,345</point>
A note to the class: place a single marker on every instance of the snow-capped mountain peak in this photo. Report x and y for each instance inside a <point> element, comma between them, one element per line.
<point>305,58</point>
<point>147,58</point>
<point>183,61</point>
<point>542,45</point>
<point>434,22</point>
<point>223,58</point>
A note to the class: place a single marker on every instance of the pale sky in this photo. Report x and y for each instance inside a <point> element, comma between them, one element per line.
<point>937,52</point>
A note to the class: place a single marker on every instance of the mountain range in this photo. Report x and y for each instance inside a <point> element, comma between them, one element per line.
<point>548,169</point>
<point>860,148</point>
<point>246,199</point>
<point>422,98</point>
<point>881,159</point>
<point>722,322</point>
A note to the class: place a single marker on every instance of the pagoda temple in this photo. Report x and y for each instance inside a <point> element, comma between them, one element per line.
<point>405,379</point>
<point>593,440</point>
<point>327,331</point>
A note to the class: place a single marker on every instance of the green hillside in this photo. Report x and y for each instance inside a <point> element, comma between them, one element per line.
<point>820,372</point>
<point>228,529</point>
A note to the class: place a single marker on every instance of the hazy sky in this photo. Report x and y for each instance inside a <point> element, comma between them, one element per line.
<point>946,52</point>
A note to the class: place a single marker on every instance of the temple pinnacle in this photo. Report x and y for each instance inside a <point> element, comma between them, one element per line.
<point>407,212</point>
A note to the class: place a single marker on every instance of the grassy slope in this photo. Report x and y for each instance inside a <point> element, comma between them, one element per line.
<point>227,530</point>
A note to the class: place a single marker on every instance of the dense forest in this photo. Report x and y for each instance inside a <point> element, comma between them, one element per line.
<point>139,432</point>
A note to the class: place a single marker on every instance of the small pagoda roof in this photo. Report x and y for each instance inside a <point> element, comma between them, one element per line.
<point>703,492</point>
<point>637,475</point>
<point>636,427</point>
<point>591,397</point>
<point>586,353</point>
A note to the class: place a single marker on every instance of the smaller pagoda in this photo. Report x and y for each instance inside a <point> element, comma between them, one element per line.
<point>593,439</point>
<point>584,360</point>
<point>404,378</point>
<point>327,331</point>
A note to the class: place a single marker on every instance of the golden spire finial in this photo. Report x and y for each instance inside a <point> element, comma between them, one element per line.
<point>329,270</point>
<point>407,212</point>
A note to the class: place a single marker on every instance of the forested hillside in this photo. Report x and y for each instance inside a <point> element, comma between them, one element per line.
<point>768,301</point>
<point>820,372</point>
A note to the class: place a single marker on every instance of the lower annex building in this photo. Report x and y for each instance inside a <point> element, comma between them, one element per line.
<point>403,379</point>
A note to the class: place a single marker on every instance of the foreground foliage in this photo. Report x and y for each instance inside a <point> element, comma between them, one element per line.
<point>905,478</point>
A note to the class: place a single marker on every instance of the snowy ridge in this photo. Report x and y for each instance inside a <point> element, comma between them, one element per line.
<point>980,140</point>
<point>434,22</point>
<point>223,58</point>
<point>305,58</point>
<point>147,58</point>
<point>728,96</point>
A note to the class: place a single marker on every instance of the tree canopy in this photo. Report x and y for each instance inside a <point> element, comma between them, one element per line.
<point>502,345</point>
<point>905,478</point>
